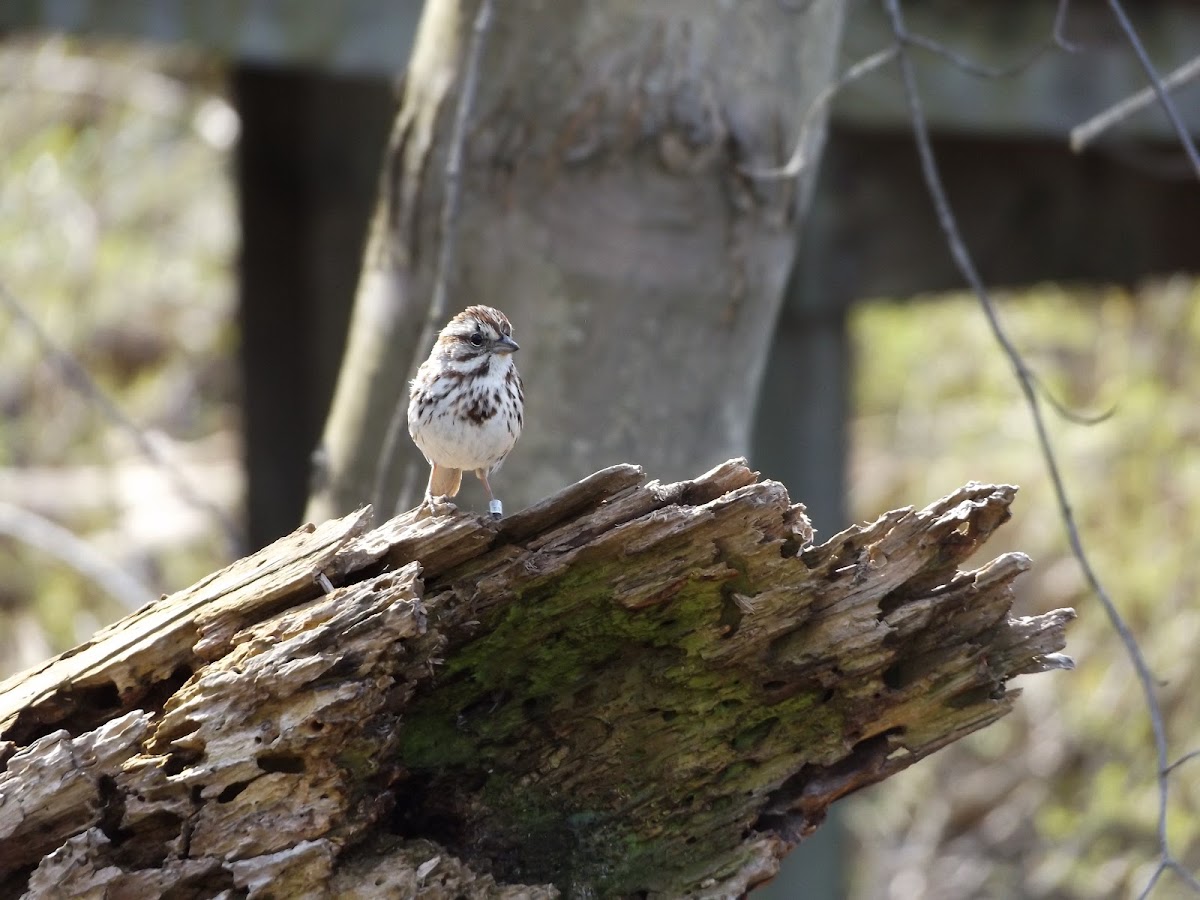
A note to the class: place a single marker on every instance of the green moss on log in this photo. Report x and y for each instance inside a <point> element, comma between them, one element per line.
<point>566,658</point>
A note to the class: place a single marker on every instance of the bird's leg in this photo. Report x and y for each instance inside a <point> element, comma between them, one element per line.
<point>495,507</point>
<point>425,508</point>
<point>443,483</point>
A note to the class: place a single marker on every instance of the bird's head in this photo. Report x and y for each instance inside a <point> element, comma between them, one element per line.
<point>476,331</point>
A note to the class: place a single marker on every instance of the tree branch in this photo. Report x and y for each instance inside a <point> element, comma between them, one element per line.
<point>1085,134</point>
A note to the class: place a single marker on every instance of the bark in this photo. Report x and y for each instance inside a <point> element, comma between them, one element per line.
<point>625,688</point>
<point>604,209</point>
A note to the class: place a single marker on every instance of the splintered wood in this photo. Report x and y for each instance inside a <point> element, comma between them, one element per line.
<point>628,687</point>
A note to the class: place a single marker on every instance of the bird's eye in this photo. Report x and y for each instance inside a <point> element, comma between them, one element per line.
<point>477,339</point>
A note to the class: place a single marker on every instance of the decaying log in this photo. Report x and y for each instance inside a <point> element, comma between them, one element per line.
<point>626,688</point>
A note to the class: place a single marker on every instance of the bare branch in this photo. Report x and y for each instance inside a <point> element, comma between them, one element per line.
<point>1056,41</point>
<point>54,540</point>
<point>799,159</point>
<point>1064,411</point>
<point>1025,378</point>
<point>1187,757</point>
<point>1083,135</point>
<point>1160,90</point>
<point>77,376</point>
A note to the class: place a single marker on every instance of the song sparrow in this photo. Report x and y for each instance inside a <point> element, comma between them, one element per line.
<point>466,405</point>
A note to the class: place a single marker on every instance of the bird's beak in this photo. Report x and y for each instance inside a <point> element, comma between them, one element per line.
<point>506,345</point>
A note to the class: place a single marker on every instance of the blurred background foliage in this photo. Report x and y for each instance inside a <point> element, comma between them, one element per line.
<point>118,234</point>
<point>1059,799</point>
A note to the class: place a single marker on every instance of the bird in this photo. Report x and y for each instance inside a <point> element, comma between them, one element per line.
<point>466,403</point>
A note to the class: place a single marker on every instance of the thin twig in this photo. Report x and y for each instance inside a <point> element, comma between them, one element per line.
<point>1082,135</point>
<point>1160,90</point>
<point>1187,757</point>
<point>799,160</point>
<point>54,540</point>
<point>76,375</point>
<point>966,266</point>
<point>436,315</point>
<point>1056,41</point>
<point>1060,25</point>
<point>1065,412</point>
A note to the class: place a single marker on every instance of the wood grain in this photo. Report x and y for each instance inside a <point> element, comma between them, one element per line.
<point>627,687</point>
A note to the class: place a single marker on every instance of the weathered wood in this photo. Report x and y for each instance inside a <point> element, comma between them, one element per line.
<point>627,687</point>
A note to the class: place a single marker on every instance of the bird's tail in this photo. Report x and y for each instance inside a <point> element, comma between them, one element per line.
<point>444,481</point>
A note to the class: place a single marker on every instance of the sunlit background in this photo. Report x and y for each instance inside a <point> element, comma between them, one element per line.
<point>118,235</point>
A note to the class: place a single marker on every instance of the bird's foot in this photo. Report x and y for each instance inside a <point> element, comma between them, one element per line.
<point>435,507</point>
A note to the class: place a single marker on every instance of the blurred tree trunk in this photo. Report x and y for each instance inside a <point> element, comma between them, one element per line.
<point>605,210</point>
